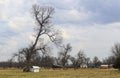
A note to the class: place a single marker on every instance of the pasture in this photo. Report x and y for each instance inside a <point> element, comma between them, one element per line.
<point>69,73</point>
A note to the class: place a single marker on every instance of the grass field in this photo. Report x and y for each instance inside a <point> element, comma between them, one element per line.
<point>69,73</point>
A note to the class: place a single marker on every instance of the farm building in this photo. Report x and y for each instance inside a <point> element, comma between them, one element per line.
<point>35,69</point>
<point>106,66</point>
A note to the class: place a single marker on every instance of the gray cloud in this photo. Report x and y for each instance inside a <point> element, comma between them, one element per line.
<point>95,11</point>
<point>103,11</point>
<point>87,11</point>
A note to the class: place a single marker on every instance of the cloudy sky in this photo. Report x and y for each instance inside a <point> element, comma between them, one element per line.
<point>90,25</point>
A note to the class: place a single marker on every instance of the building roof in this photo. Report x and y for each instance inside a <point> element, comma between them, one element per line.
<point>36,67</point>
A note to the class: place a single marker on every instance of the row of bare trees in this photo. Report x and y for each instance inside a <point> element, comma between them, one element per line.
<point>64,61</point>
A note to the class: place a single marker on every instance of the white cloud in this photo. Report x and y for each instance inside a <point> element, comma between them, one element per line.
<point>4,2</point>
<point>21,23</point>
<point>16,24</point>
<point>70,16</point>
<point>96,40</point>
<point>64,4</point>
<point>14,43</point>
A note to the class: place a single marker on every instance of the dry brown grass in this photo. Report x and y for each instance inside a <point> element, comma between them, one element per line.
<point>69,73</point>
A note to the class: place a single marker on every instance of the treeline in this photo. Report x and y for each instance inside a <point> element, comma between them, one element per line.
<point>64,60</point>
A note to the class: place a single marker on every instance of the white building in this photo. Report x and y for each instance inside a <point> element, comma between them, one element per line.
<point>83,66</point>
<point>35,69</point>
<point>106,66</point>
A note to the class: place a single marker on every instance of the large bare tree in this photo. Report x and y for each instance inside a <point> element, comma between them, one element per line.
<point>43,30</point>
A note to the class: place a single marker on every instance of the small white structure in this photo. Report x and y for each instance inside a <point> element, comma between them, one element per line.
<point>35,69</point>
<point>83,66</point>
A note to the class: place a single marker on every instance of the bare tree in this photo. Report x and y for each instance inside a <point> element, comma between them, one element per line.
<point>87,61</point>
<point>116,55</point>
<point>10,63</point>
<point>64,55</point>
<point>74,62</point>
<point>47,62</point>
<point>108,60</point>
<point>96,62</point>
<point>80,59</point>
<point>43,30</point>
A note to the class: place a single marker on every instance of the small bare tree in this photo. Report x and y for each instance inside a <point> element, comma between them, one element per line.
<point>64,55</point>
<point>96,62</point>
<point>43,30</point>
<point>80,58</point>
<point>87,61</point>
<point>108,60</point>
